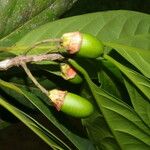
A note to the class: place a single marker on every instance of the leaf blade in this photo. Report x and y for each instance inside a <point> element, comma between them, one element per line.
<point>20,17</point>
<point>119,117</point>
<point>140,81</point>
<point>31,123</point>
<point>138,57</point>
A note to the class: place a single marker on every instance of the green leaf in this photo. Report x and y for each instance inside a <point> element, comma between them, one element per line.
<point>140,81</point>
<point>111,26</point>
<point>42,132</point>
<point>112,81</point>
<point>20,80</point>
<point>4,124</point>
<point>97,128</point>
<point>139,102</point>
<point>138,57</point>
<point>108,83</point>
<point>19,17</point>
<point>128,128</point>
<point>5,55</point>
<point>138,40</point>
<point>99,133</point>
<point>79,142</point>
<point>92,67</point>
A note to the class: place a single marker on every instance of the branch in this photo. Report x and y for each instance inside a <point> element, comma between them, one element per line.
<point>17,61</point>
<point>33,79</point>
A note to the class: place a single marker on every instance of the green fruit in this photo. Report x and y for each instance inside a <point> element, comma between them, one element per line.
<point>70,74</point>
<point>71,104</point>
<point>83,45</point>
<point>76,80</point>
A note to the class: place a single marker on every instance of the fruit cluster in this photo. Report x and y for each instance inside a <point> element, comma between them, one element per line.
<point>80,45</point>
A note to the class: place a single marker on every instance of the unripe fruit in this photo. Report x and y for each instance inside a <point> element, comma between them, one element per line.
<point>70,74</point>
<point>81,44</point>
<point>71,104</point>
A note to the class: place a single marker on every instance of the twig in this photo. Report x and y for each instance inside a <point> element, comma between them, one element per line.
<point>41,42</point>
<point>17,61</point>
<point>24,66</point>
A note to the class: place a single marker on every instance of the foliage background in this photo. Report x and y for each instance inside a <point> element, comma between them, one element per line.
<point>14,134</point>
